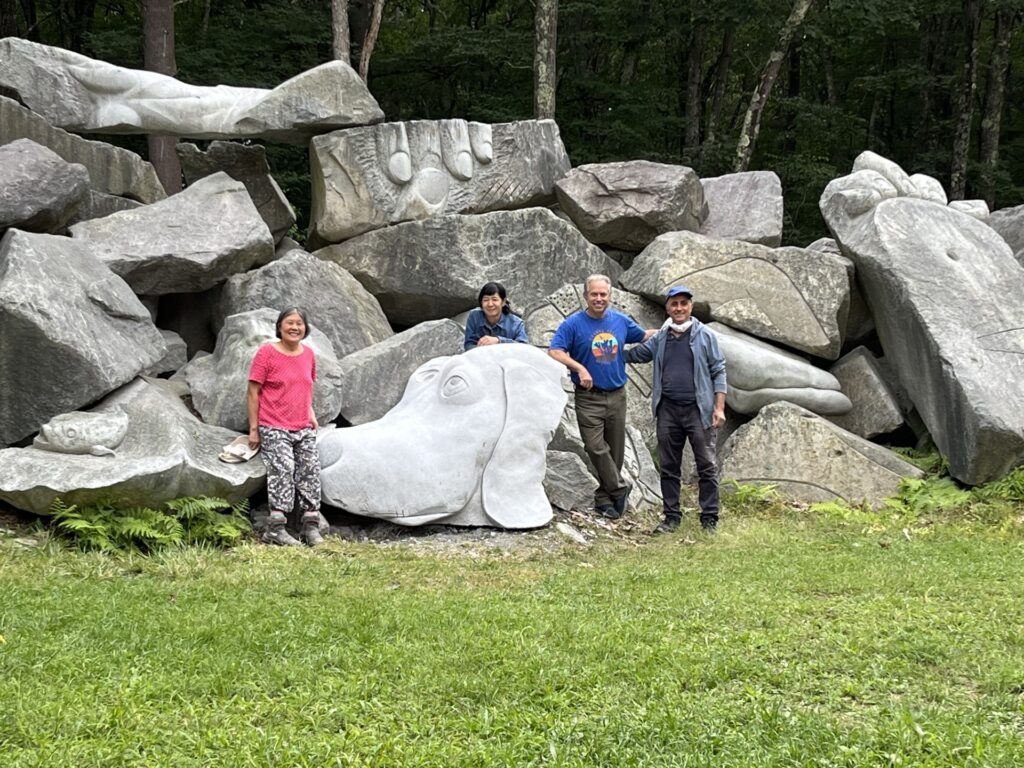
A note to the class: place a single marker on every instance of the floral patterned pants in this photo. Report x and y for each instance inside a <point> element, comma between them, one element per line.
<point>293,468</point>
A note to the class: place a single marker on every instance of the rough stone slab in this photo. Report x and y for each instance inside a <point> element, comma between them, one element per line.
<point>945,292</point>
<point>797,297</point>
<point>628,204</point>
<point>96,205</point>
<point>186,243</point>
<point>166,453</point>
<point>929,188</point>
<point>246,163</point>
<point>81,94</point>
<point>810,459</point>
<point>567,481</point>
<point>1009,223</point>
<point>176,357</point>
<point>70,331</point>
<point>367,178</point>
<point>976,208</point>
<point>39,191</point>
<point>112,170</point>
<point>373,379</point>
<point>427,270</point>
<point>219,382</point>
<point>875,409</point>
<point>744,206</point>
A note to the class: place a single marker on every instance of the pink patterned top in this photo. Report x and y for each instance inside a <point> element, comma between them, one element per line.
<point>286,393</point>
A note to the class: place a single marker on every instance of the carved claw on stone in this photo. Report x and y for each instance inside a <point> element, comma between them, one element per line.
<point>396,141</point>
<point>455,149</point>
<point>480,141</point>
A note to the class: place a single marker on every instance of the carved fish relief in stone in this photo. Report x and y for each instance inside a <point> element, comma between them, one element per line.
<point>81,432</point>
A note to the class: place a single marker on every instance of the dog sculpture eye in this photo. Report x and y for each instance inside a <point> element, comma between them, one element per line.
<point>454,385</point>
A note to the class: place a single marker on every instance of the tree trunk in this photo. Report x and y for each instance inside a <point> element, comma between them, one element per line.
<point>995,91</point>
<point>341,45</point>
<point>752,120</point>
<point>158,56</point>
<point>694,77</point>
<point>965,101</point>
<point>718,89</point>
<point>8,18</point>
<point>205,25</point>
<point>370,40</point>
<point>545,37</point>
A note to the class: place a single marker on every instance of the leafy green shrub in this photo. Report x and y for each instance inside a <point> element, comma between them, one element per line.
<point>741,498</point>
<point>192,520</point>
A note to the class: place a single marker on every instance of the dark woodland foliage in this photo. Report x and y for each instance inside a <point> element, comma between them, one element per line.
<point>862,74</point>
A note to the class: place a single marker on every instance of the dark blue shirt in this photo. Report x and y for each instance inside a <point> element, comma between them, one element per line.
<point>509,328</point>
<point>677,369</point>
<point>598,345</point>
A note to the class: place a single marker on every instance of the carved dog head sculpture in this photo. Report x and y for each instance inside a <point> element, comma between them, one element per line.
<point>464,446</point>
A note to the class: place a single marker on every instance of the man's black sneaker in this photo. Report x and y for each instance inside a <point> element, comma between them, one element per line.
<point>709,526</point>
<point>668,525</point>
<point>607,510</point>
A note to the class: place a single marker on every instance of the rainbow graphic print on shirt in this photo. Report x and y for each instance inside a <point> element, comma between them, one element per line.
<point>605,347</point>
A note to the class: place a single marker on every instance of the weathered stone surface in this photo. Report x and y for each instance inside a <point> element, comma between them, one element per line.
<point>96,205</point>
<point>744,206</point>
<point>976,208</point>
<point>38,190</point>
<point>945,292</point>
<point>542,319</point>
<point>81,94</point>
<point>70,331</point>
<point>112,170</point>
<point>1009,223</point>
<point>246,163</point>
<point>465,445</point>
<point>628,204</point>
<point>166,453</point>
<point>811,459</point>
<point>373,379</point>
<point>929,188</point>
<point>431,269</point>
<point>859,322</point>
<point>175,358</point>
<point>567,481</point>
<point>337,304</point>
<point>367,178</point>
<point>875,409</point>
<point>186,243</point>
<point>218,382</point>
<point>797,297</point>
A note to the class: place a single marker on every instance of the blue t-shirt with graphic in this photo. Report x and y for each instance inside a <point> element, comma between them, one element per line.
<point>598,345</point>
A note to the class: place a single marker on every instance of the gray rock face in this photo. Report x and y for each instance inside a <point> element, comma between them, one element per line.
<point>38,190</point>
<point>186,243</point>
<point>373,379</point>
<point>811,459</point>
<point>81,94</point>
<point>1009,223</point>
<point>744,206</point>
<point>367,178</point>
<point>929,188</point>
<point>72,323</point>
<point>567,481</point>
<point>337,304</point>
<point>875,408</point>
<point>176,357</point>
<point>165,453</point>
<point>219,382</point>
<point>945,292</point>
<point>976,208</point>
<point>247,164</point>
<point>96,205</point>
<point>797,297</point>
<point>432,269</point>
<point>628,204</point>
<point>112,170</point>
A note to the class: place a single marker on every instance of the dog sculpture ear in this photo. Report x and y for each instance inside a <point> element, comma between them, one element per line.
<point>512,490</point>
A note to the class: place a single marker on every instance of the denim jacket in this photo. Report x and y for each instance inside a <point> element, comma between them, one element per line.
<point>708,366</point>
<point>508,329</point>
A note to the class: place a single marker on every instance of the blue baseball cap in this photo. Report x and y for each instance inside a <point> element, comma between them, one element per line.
<point>676,290</point>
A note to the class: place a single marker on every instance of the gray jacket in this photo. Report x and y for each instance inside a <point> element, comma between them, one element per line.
<point>708,366</point>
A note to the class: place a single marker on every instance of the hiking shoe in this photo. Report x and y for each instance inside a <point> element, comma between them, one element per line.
<point>311,529</point>
<point>607,510</point>
<point>621,502</point>
<point>668,525</point>
<point>279,535</point>
<point>710,527</point>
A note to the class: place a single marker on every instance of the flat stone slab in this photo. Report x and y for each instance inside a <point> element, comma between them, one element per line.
<point>39,191</point>
<point>796,297</point>
<point>367,178</point>
<point>165,453</point>
<point>744,206</point>
<point>810,459</point>
<point>875,408</point>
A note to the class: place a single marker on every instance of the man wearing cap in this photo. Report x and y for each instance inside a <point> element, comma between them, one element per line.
<point>688,399</point>
<point>591,344</point>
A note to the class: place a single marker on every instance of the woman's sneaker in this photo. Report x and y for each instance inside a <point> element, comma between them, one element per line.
<point>311,530</point>
<point>276,533</point>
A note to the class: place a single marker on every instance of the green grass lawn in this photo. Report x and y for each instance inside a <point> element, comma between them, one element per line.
<point>783,641</point>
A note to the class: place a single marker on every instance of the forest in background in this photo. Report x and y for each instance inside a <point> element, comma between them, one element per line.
<point>931,84</point>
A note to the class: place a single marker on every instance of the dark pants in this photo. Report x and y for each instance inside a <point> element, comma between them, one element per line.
<point>677,424</point>
<point>602,420</point>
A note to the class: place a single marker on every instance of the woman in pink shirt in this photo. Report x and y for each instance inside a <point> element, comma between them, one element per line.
<point>282,424</point>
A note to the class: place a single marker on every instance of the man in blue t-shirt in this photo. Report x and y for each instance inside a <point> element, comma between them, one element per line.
<point>590,343</point>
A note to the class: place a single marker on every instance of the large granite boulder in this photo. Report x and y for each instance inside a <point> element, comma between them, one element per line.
<point>186,243</point>
<point>163,453</point>
<point>38,190</point>
<point>810,459</point>
<point>465,445</point>
<point>744,206</point>
<point>373,379</point>
<point>876,409</point>
<point>70,331</point>
<point>426,270</point>
<point>81,94</point>
<point>945,292</point>
<point>219,382</point>
<point>337,304</point>
<point>246,163</point>
<point>796,297</point>
<point>366,178</point>
<point>1009,223</point>
<point>628,204</point>
<point>97,205</point>
<point>112,170</point>
<point>567,481</point>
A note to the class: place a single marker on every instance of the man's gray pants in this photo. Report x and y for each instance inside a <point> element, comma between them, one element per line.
<point>601,416</point>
